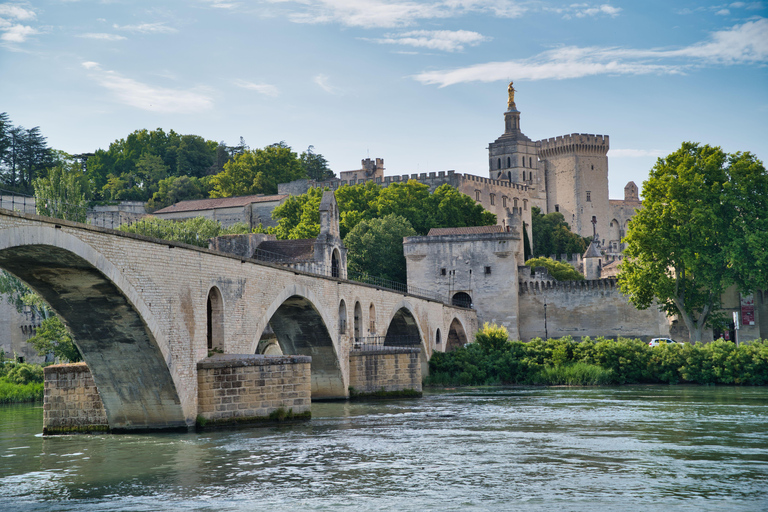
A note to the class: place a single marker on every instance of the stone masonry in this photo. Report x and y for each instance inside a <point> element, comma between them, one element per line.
<point>72,402</point>
<point>248,388</point>
<point>386,369</point>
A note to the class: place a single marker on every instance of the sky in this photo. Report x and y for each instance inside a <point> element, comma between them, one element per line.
<point>422,85</point>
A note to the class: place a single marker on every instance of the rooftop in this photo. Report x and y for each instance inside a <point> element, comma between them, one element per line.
<point>472,230</point>
<point>221,202</point>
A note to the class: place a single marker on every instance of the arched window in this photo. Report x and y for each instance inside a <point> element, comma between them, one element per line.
<point>530,161</point>
<point>509,162</point>
<point>509,175</point>
<point>358,320</point>
<point>342,317</point>
<point>498,163</point>
<point>461,299</point>
<point>215,319</point>
<point>372,318</point>
<point>437,337</point>
<point>335,272</point>
<point>523,175</point>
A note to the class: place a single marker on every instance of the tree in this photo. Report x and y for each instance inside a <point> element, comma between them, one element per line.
<point>553,236</point>
<point>299,216</point>
<point>315,165</point>
<point>62,194</point>
<point>195,231</point>
<point>559,270</point>
<point>173,189</point>
<point>703,227</point>
<point>52,337</point>
<point>375,247</point>
<point>258,172</point>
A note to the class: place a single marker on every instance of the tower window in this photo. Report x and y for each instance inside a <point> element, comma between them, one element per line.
<point>509,162</point>
<point>504,201</point>
<point>530,161</point>
<point>589,196</point>
<point>498,163</point>
<point>477,195</point>
<point>493,199</point>
<point>593,167</point>
<point>557,207</point>
<point>487,270</point>
<point>525,204</point>
<point>442,271</point>
<point>523,175</point>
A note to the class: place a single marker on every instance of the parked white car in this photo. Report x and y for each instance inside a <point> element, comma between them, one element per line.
<point>655,342</point>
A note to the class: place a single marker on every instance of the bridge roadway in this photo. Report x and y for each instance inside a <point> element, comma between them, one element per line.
<point>143,312</point>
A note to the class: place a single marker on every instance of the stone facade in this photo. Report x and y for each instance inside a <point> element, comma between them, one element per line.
<point>390,370</point>
<point>250,388</point>
<point>72,402</point>
<point>251,210</point>
<point>15,329</point>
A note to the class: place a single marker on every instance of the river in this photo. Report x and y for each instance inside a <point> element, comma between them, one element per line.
<point>664,448</point>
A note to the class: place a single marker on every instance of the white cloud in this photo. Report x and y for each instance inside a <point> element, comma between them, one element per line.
<point>148,97</point>
<point>746,43</point>
<point>583,10</point>
<point>723,12</point>
<point>637,153</point>
<point>446,40</point>
<point>147,28</point>
<point>16,11</point>
<point>394,13</point>
<point>324,83</point>
<point>222,4</point>
<point>103,37</point>
<point>265,89</point>
<point>17,33</point>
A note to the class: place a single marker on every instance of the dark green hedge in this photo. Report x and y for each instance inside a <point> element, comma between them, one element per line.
<point>624,361</point>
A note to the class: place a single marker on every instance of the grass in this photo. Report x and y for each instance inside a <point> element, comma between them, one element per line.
<point>575,374</point>
<point>15,393</point>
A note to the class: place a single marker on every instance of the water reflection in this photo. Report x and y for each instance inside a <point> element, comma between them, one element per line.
<point>652,448</point>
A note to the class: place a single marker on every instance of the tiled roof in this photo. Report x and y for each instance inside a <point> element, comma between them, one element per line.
<point>221,202</point>
<point>474,230</point>
<point>291,250</point>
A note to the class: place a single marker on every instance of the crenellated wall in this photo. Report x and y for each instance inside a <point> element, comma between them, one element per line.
<point>554,309</point>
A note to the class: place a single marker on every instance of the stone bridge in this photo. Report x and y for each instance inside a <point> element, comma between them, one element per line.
<point>144,312</point>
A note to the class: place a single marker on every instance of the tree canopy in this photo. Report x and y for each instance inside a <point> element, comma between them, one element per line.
<point>553,236</point>
<point>196,231</point>
<point>703,227</point>
<point>375,247</point>
<point>24,155</point>
<point>557,269</point>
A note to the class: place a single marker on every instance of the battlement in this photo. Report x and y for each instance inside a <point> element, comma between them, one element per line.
<point>495,183</point>
<point>536,287</point>
<point>574,143</point>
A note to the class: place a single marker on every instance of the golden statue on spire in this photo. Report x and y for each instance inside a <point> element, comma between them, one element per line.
<point>511,101</point>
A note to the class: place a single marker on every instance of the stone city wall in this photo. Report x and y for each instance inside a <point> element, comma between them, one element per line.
<point>388,369</point>
<point>249,388</point>
<point>72,402</point>
<point>584,308</point>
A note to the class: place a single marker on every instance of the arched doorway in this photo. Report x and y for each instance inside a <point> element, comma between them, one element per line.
<point>215,320</point>
<point>402,330</point>
<point>456,336</point>
<point>462,299</point>
<point>438,339</point>
<point>372,319</point>
<point>342,317</point>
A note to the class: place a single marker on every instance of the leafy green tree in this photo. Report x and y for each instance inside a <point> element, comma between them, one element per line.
<point>195,231</point>
<point>52,337</point>
<point>315,165</point>
<point>258,172</point>
<point>375,247</point>
<point>62,193</point>
<point>173,189</point>
<point>559,270</point>
<point>299,216</point>
<point>703,227</point>
<point>450,208</point>
<point>492,337</point>
<point>553,236</point>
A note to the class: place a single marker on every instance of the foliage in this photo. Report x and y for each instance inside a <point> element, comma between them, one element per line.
<point>553,236</point>
<point>258,172</point>
<point>299,216</point>
<point>602,361</point>
<point>492,337</point>
<point>173,189</point>
<point>559,270</point>
<point>62,193</point>
<point>375,247</point>
<point>195,231</point>
<point>315,165</point>
<point>24,155</point>
<point>20,382</point>
<point>52,337</point>
<point>23,373</point>
<point>703,227</point>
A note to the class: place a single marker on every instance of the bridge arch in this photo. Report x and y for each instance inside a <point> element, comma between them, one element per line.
<point>457,335</point>
<point>110,323</point>
<point>301,328</point>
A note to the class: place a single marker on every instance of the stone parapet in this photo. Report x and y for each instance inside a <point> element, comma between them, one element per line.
<point>385,372</point>
<point>574,143</point>
<point>72,402</point>
<point>237,388</point>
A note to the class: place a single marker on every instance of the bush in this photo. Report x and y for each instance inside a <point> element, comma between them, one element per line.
<point>496,360</point>
<point>25,373</point>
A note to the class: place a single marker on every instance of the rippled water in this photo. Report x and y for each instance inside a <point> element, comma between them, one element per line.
<point>630,448</point>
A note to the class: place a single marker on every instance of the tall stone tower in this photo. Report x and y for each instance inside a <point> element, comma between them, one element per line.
<point>576,173</point>
<point>514,157</point>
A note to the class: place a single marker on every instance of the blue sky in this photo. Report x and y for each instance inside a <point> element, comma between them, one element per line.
<point>420,84</point>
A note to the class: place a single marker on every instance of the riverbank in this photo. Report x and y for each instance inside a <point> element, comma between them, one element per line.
<point>20,382</point>
<point>494,360</point>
